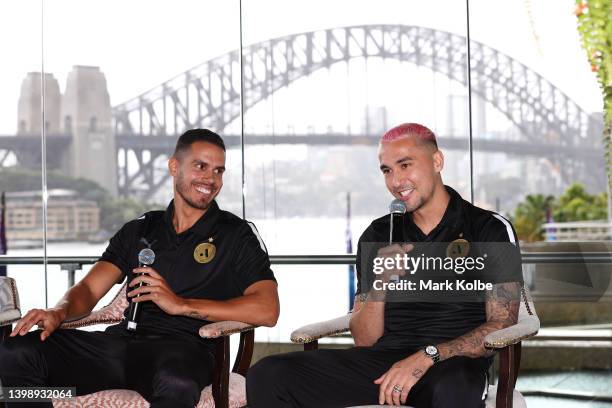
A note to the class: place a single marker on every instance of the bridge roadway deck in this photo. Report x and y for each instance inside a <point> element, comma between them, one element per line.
<point>166,143</point>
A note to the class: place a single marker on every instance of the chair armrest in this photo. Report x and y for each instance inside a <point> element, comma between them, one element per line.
<point>109,314</point>
<point>225,328</point>
<point>315,331</point>
<point>527,327</point>
<point>10,310</point>
<point>105,315</point>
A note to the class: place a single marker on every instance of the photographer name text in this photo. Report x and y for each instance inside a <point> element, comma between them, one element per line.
<point>431,285</point>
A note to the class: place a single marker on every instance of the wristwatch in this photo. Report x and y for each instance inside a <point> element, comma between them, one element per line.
<point>432,352</point>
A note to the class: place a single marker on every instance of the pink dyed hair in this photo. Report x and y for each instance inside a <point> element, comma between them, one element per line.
<point>410,129</point>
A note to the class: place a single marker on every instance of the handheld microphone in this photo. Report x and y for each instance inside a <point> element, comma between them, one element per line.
<point>397,206</point>
<point>146,257</point>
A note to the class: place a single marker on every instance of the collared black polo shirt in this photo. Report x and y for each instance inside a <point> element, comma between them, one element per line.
<point>184,260</point>
<point>415,324</point>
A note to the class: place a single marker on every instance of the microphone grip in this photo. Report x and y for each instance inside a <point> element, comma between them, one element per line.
<point>391,228</point>
<point>134,311</point>
<point>393,278</point>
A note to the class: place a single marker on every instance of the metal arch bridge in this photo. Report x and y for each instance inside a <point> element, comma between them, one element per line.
<point>209,94</point>
<point>532,103</point>
<point>552,125</point>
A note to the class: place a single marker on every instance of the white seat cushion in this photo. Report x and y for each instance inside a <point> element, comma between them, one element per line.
<point>132,399</point>
<point>517,399</point>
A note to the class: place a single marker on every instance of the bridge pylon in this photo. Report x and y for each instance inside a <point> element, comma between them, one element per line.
<point>28,111</point>
<point>29,118</point>
<point>86,116</point>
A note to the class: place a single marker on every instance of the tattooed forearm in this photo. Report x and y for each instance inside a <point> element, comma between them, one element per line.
<point>418,373</point>
<point>502,306</point>
<point>197,315</point>
<point>503,303</point>
<point>470,344</point>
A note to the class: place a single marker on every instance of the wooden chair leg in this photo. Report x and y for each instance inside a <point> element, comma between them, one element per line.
<point>245,353</point>
<point>220,385</point>
<point>517,362</point>
<point>505,385</point>
<point>313,345</point>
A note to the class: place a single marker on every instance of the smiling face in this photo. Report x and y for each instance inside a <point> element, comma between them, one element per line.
<point>198,174</point>
<point>411,168</point>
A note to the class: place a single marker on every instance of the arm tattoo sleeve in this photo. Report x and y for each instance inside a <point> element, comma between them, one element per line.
<point>502,306</point>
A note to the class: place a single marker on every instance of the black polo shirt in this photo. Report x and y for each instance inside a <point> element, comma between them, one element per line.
<point>184,260</point>
<point>415,324</point>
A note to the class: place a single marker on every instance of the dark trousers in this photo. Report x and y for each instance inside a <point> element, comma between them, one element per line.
<point>341,378</point>
<point>167,372</point>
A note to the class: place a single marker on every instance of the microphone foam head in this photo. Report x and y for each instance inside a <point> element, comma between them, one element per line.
<point>397,206</point>
<point>146,256</point>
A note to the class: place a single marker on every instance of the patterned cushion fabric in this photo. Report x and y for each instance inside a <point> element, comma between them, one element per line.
<point>237,393</point>
<point>109,314</point>
<point>225,328</point>
<point>105,399</point>
<point>132,399</point>
<point>315,331</point>
<point>9,301</point>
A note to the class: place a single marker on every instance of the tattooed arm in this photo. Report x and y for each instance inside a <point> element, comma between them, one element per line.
<point>502,306</point>
<point>259,306</point>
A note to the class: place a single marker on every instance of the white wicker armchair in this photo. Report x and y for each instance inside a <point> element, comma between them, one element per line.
<point>507,341</point>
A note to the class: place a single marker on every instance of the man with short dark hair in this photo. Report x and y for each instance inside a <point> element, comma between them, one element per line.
<point>209,266</point>
<point>421,352</point>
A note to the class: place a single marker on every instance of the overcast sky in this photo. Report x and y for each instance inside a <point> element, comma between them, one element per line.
<point>138,44</point>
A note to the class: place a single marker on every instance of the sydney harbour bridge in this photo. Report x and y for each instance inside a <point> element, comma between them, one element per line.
<point>550,124</point>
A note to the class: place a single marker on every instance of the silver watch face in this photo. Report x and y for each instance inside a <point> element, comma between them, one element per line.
<point>431,350</point>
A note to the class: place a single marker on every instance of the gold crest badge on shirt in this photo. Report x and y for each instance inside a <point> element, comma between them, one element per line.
<point>459,248</point>
<point>205,252</point>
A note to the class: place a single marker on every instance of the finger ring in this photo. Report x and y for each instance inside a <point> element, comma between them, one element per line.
<point>397,389</point>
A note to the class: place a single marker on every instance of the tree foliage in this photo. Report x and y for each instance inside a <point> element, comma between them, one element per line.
<point>595,27</point>
<point>530,215</point>
<point>575,204</point>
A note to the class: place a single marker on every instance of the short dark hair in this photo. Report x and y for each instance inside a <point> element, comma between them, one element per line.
<point>191,136</point>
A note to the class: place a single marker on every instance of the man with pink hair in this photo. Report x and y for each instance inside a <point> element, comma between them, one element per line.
<point>420,352</point>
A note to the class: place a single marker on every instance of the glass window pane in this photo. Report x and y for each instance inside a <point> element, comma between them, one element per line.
<point>21,83</point>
